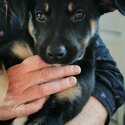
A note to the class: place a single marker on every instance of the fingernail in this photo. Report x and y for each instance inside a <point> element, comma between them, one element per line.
<point>72,81</point>
<point>76,69</point>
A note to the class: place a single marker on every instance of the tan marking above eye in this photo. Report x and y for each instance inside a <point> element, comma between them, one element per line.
<point>70,7</point>
<point>46,7</point>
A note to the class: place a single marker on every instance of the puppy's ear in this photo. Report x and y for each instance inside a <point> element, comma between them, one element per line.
<point>106,6</point>
<point>120,5</point>
<point>20,8</point>
<point>111,5</point>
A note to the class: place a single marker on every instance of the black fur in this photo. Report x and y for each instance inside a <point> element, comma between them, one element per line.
<point>62,35</point>
<point>4,22</point>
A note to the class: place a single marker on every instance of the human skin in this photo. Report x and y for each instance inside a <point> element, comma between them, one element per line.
<point>31,83</point>
<point>94,113</point>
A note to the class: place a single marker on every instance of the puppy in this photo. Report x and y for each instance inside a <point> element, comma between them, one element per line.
<point>61,32</point>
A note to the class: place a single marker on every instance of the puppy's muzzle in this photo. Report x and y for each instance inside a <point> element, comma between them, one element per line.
<point>56,53</point>
<point>59,53</point>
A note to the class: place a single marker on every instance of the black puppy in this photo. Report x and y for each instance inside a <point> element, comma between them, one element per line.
<point>61,32</point>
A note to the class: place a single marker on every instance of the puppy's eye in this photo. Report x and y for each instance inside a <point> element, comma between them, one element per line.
<point>41,17</point>
<point>78,16</point>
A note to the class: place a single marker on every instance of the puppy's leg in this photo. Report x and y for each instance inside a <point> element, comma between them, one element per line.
<point>3,83</point>
<point>60,108</point>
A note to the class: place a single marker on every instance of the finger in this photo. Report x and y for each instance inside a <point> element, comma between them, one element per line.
<point>46,75</point>
<point>28,65</point>
<point>30,108</point>
<point>34,63</point>
<point>38,91</point>
<point>30,94</point>
<point>49,74</point>
<point>57,86</point>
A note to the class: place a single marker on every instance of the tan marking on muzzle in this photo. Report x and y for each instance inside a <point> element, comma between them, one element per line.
<point>21,50</point>
<point>4,82</point>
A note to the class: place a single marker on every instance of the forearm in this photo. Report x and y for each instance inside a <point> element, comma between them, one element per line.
<point>94,113</point>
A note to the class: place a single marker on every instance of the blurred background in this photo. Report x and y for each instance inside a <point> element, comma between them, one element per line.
<point>112,31</point>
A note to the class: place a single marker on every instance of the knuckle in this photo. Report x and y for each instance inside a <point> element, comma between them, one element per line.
<point>42,90</point>
<point>27,110</point>
<point>36,92</point>
<point>74,69</point>
<point>45,73</point>
<point>68,70</point>
<point>63,71</point>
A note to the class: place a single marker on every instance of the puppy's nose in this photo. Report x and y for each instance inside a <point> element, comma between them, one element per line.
<point>53,52</point>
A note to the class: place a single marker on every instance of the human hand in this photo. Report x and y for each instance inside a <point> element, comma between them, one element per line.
<point>30,84</point>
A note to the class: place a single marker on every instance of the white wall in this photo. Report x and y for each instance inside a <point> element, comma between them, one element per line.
<point>112,30</point>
